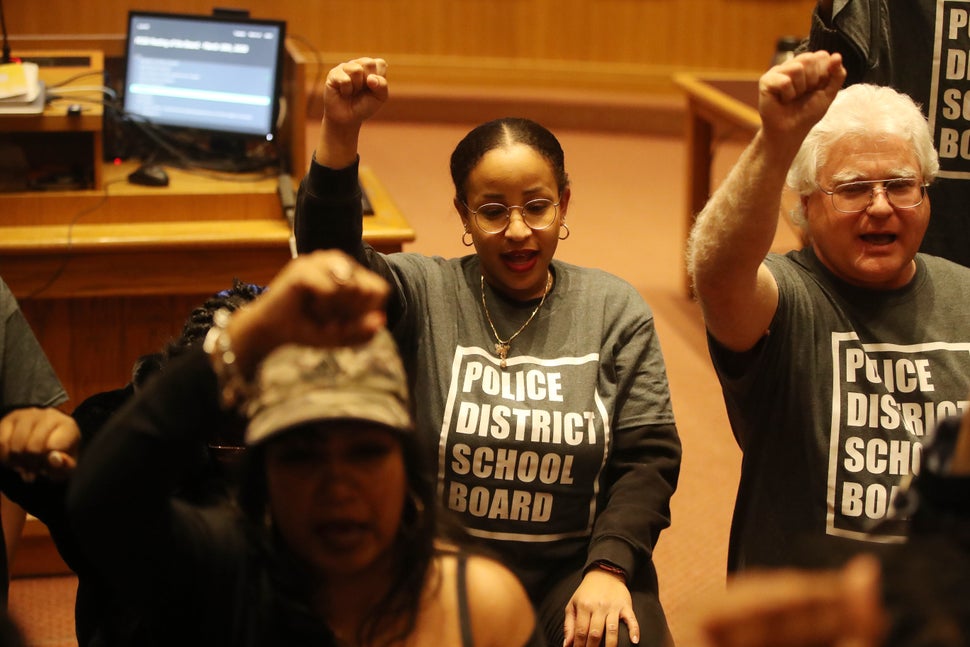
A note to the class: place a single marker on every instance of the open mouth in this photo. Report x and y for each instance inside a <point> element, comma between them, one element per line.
<point>879,239</point>
<point>520,261</point>
<point>341,534</point>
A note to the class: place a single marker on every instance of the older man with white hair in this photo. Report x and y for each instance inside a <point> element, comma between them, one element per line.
<point>837,358</point>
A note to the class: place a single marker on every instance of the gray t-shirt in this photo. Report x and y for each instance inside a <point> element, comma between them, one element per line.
<point>831,407</point>
<point>26,377</point>
<point>524,453</point>
<point>568,455</point>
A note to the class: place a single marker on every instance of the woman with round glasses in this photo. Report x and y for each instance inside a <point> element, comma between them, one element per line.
<point>540,388</point>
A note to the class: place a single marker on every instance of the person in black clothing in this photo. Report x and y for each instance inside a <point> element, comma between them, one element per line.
<point>30,436</point>
<point>219,451</point>
<point>332,539</point>
<point>103,618</point>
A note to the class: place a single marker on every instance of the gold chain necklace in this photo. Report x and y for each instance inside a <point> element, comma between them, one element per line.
<point>502,347</point>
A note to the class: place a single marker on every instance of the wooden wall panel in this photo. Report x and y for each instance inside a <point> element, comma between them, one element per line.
<point>72,333</point>
<point>652,37</point>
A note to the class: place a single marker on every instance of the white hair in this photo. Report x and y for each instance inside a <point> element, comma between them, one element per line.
<point>865,111</point>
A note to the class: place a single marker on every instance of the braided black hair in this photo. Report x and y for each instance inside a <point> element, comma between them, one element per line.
<point>200,320</point>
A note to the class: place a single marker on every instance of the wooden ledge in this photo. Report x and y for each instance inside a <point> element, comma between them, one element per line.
<point>600,110</point>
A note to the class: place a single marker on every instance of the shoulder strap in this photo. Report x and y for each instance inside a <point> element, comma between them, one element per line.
<point>464,618</point>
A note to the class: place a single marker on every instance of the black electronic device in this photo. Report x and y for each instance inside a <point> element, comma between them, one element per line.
<point>207,73</point>
<point>149,175</point>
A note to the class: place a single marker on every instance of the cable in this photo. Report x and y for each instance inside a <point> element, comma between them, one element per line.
<point>103,89</point>
<point>70,240</point>
<point>186,152</point>
<point>76,77</point>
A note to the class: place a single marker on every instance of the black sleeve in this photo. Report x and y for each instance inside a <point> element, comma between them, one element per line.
<point>95,411</point>
<point>328,211</point>
<point>858,32</point>
<point>120,506</point>
<point>329,215</point>
<point>643,467</point>
<point>44,499</point>
<point>643,474</point>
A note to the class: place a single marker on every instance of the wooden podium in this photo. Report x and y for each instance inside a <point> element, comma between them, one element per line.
<point>109,271</point>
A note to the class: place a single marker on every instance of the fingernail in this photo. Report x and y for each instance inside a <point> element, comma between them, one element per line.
<point>55,459</point>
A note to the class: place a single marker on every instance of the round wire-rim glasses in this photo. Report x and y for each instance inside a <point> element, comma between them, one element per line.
<point>494,217</point>
<point>855,197</point>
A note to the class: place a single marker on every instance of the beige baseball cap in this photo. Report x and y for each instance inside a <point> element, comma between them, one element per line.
<point>302,384</point>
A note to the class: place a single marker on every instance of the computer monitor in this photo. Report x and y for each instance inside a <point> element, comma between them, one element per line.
<point>206,73</point>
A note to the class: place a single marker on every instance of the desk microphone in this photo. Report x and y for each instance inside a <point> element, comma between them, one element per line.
<point>288,202</point>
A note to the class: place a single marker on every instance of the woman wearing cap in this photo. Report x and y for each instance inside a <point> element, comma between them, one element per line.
<point>543,391</point>
<point>333,538</point>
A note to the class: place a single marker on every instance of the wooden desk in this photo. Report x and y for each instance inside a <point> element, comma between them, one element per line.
<point>117,275</point>
<point>196,235</point>
<point>110,271</point>
<point>54,138</point>
<point>717,107</point>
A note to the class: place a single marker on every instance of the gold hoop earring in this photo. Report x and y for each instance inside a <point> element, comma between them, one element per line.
<point>470,241</point>
<point>561,237</point>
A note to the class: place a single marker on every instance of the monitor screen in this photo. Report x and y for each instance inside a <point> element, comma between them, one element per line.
<point>209,73</point>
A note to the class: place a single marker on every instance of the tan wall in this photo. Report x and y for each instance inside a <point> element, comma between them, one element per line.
<point>616,43</point>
